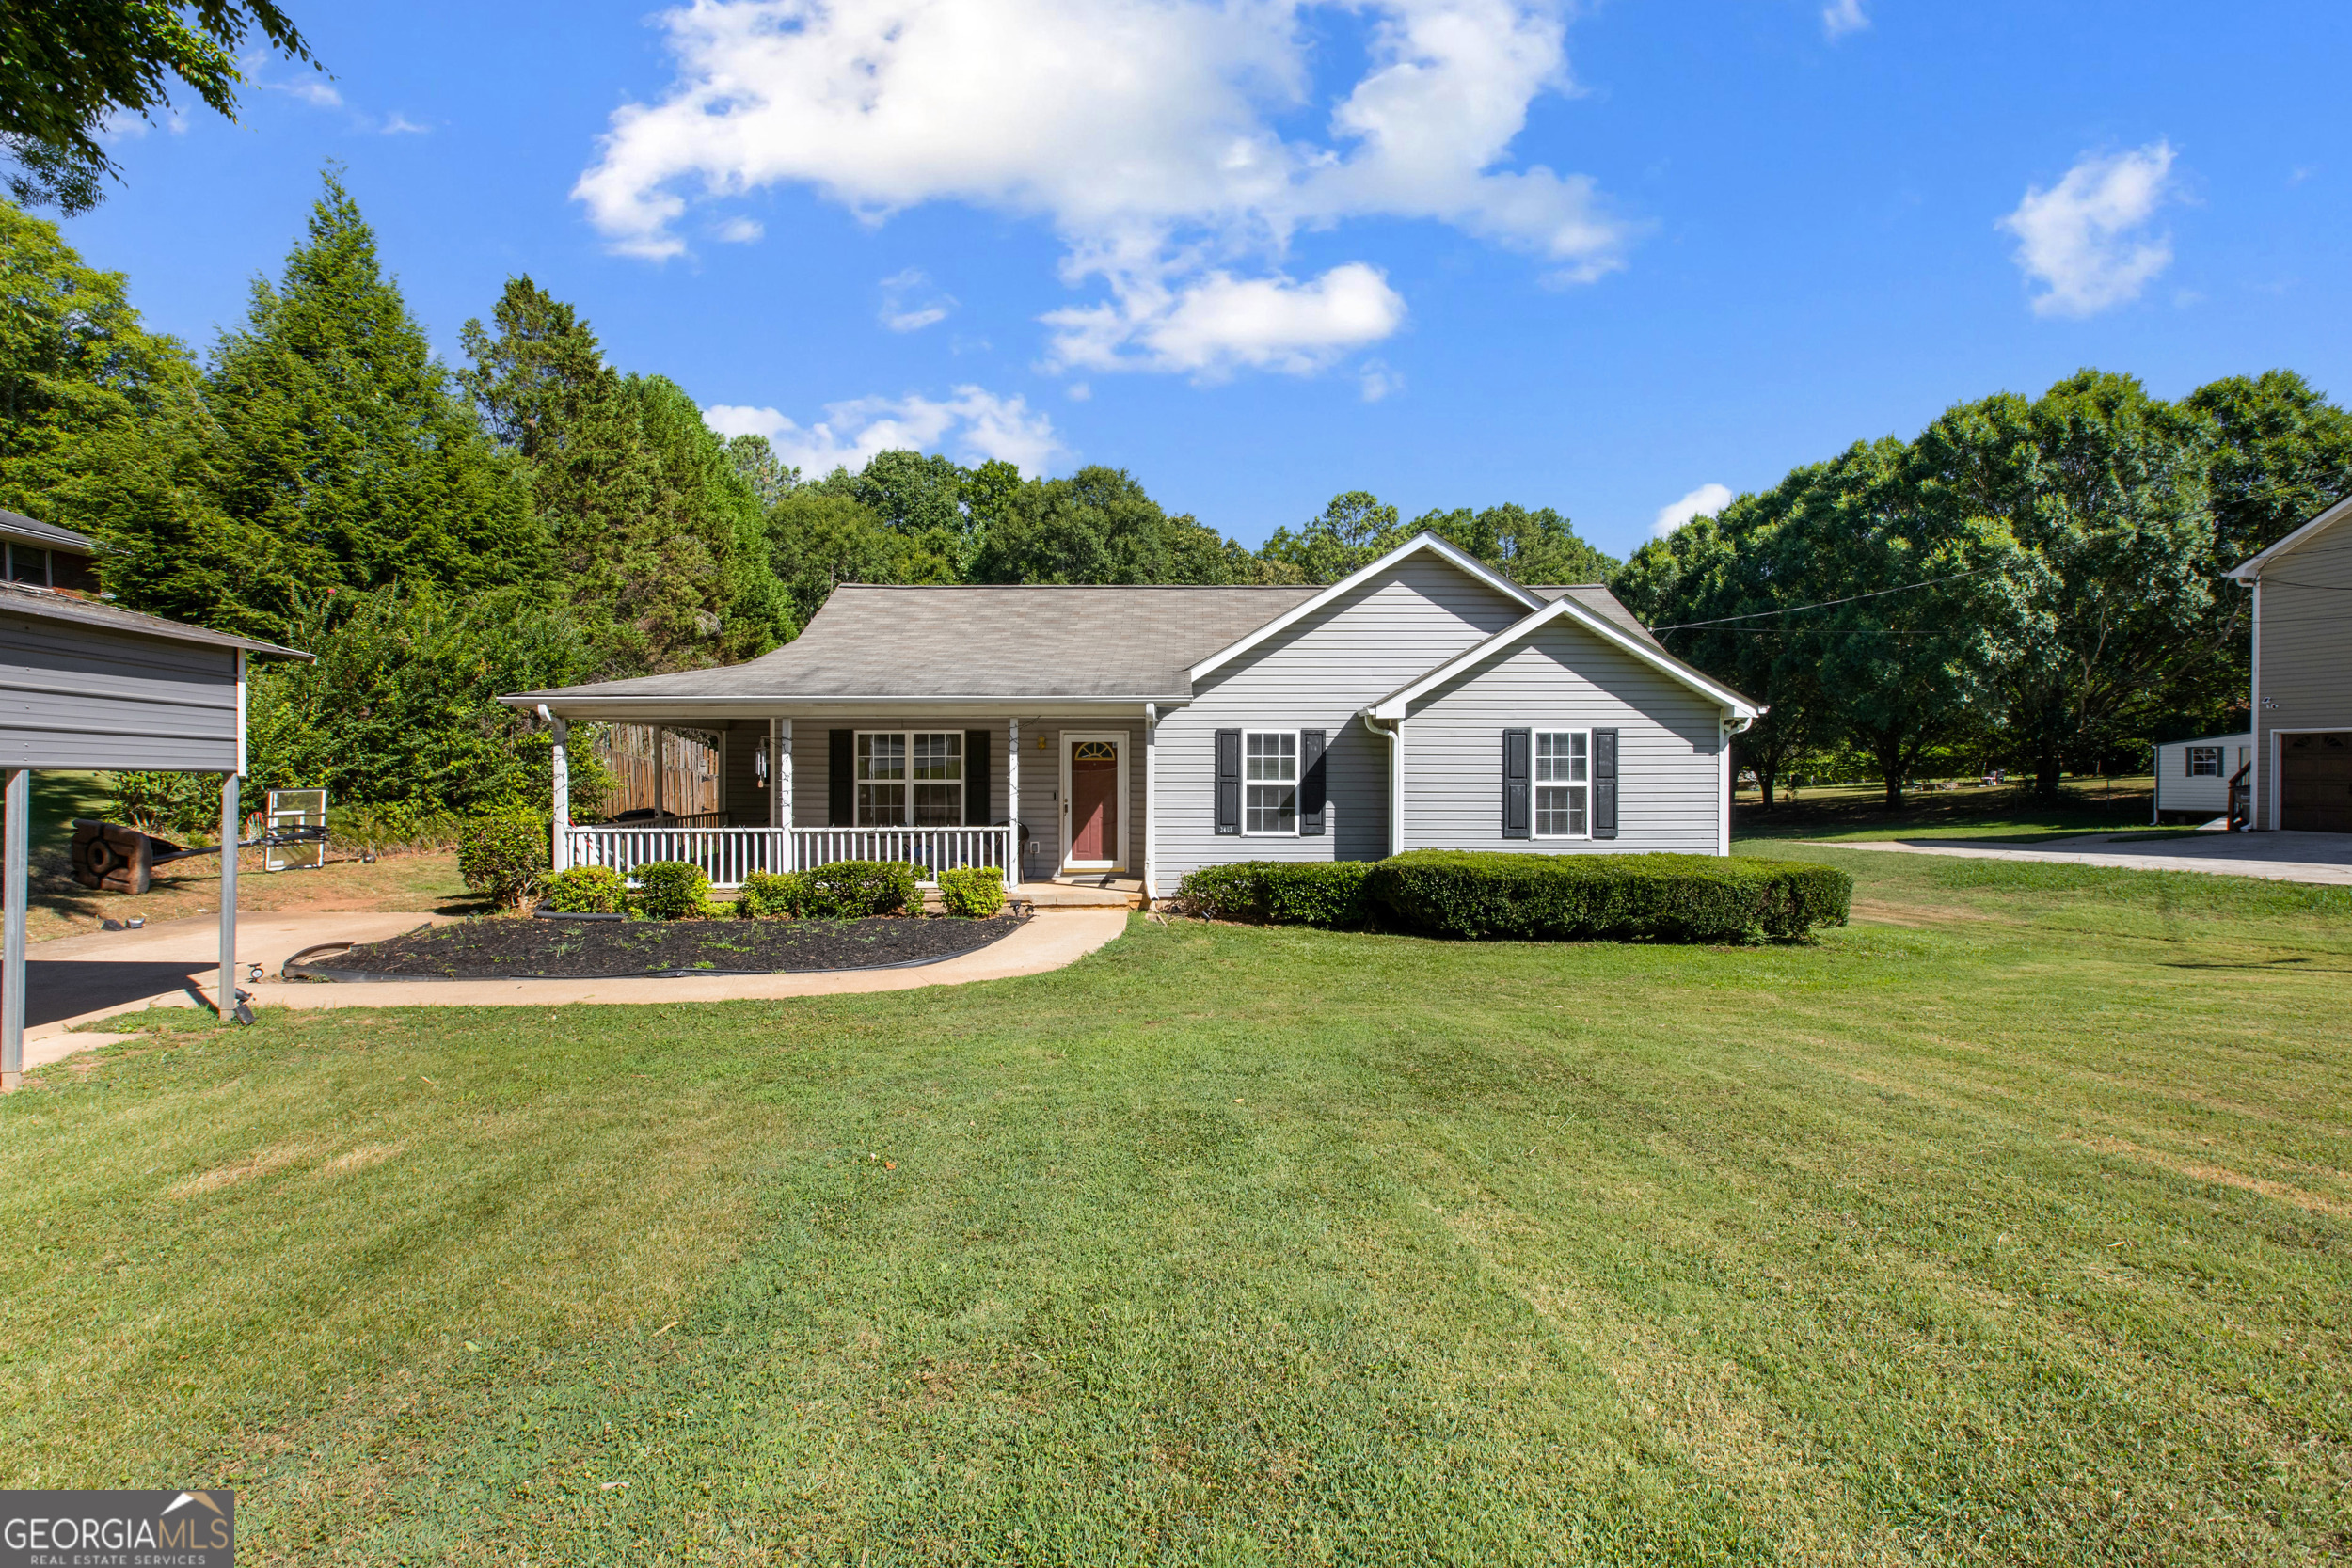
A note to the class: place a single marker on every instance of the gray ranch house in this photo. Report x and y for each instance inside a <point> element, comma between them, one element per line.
<point>1124,735</point>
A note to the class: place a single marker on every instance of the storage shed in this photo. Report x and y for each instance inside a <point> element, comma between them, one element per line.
<point>2194,775</point>
<point>91,685</point>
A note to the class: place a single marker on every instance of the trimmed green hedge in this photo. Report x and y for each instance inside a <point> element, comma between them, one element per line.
<point>672,890</point>
<point>770,896</point>
<point>974,892</point>
<point>586,889</point>
<point>1609,897</point>
<point>854,889</point>
<point>1281,892</point>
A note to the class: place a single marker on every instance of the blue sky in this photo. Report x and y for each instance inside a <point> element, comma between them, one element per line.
<point>1456,252</point>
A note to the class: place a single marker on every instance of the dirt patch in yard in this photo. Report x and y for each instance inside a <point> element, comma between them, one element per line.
<point>517,948</point>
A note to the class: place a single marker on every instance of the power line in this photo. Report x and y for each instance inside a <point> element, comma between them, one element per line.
<point>1824,604</point>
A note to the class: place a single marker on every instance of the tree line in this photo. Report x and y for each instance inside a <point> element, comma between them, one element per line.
<point>2028,584</point>
<point>534,517</point>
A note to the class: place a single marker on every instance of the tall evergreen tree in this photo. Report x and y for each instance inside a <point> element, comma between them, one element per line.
<point>344,439</point>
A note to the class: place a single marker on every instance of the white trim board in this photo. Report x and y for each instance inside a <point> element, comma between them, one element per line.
<point>1395,705</point>
<point>2251,568</point>
<point>1422,541</point>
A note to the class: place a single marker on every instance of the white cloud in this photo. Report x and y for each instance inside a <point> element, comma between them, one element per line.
<point>2084,239</point>
<point>1377,380</point>
<point>1220,324</point>
<point>1840,17</point>
<point>398,124</point>
<point>740,230</point>
<point>910,304</point>
<point>1705,501</point>
<point>1151,133</point>
<point>973,422</point>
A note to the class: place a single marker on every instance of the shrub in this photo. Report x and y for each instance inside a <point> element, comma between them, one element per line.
<point>672,890</point>
<point>1283,892</point>
<point>586,889</point>
<point>1609,897</point>
<point>853,890</point>
<point>974,892</point>
<point>505,854</point>
<point>169,805</point>
<point>770,896</point>
<point>390,828</point>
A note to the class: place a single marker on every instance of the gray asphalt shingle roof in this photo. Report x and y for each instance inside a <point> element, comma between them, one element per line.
<point>31,530</point>
<point>47,604</point>
<point>1596,598</point>
<point>1073,642</point>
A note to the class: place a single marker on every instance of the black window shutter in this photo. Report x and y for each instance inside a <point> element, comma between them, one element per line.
<point>841,778</point>
<point>1310,783</point>
<point>975,781</point>
<point>1517,771</point>
<point>1228,780</point>
<point>1604,783</point>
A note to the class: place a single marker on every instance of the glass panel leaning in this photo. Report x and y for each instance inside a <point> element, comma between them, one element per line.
<point>1562,778</point>
<point>1270,775</point>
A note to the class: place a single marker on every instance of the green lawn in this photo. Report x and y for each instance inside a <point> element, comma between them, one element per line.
<point>1835,812</point>
<point>2011,1223</point>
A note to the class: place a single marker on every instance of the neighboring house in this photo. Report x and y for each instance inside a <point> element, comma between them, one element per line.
<point>1427,701</point>
<point>94,686</point>
<point>2194,775</point>
<point>2302,682</point>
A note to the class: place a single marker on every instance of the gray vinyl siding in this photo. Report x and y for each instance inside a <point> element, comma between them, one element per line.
<point>740,793</point>
<point>2177,791</point>
<point>1669,741</point>
<point>1315,674</point>
<point>83,697</point>
<point>2303,657</point>
<point>812,764</point>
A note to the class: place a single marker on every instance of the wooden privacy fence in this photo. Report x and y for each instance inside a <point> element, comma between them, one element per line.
<point>675,772</point>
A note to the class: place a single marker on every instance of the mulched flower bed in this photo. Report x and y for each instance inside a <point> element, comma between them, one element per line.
<point>601,950</point>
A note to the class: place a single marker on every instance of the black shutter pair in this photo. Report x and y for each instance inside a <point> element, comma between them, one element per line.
<point>1518,771</point>
<point>1311,790</point>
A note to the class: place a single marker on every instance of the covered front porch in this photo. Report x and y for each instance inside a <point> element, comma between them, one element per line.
<point>1053,800</point>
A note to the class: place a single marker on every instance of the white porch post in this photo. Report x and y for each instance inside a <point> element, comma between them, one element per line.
<point>780,788</point>
<point>226,1002</point>
<point>19,843</point>
<point>1151,804</point>
<point>560,803</point>
<point>1013,792</point>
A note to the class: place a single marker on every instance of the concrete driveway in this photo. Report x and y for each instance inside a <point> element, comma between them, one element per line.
<point>2279,857</point>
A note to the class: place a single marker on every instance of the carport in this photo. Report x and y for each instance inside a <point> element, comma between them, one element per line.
<point>94,686</point>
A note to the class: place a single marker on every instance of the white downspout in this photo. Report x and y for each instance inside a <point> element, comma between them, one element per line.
<point>1393,732</point>
<point>1731,727</point>
<point>1151,804</point>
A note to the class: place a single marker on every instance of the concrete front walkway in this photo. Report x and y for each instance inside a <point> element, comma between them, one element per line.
<point>2279,857</point>
<point>83,979</point>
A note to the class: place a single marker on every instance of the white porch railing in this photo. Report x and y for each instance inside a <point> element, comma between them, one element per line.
<point>728,855</point>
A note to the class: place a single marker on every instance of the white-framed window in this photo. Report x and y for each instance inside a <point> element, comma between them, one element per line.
<point>1269,782</point>
<point>910,777</point>
<point>1564,784</point>
<point>2204,762</point>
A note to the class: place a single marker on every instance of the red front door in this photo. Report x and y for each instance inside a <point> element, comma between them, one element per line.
<point>1093,802</point>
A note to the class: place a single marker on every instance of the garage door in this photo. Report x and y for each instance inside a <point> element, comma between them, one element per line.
<point>2315,781</point>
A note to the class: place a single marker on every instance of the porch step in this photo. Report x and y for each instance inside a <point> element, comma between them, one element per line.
<point>1059,896</point>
